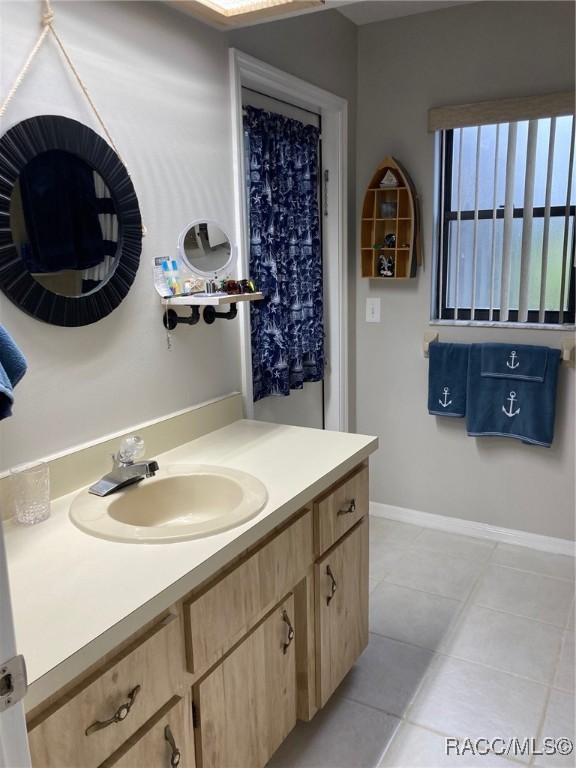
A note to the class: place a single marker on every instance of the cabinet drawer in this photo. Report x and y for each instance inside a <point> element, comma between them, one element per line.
<point>218,618</point>
<point>148,673</point>
<point>336,512</point>
<point>153,746</point>
<point>246,706</point>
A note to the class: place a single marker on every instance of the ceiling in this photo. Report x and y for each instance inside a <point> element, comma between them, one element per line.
<point>369,11</point>
<point>358,11</point>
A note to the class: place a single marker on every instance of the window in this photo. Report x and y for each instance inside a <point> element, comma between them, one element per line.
<point>507,213</point>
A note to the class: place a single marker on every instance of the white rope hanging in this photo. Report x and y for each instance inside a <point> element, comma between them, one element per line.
<point>47,28</point>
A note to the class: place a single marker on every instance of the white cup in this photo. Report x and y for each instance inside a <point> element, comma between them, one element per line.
<point>31,492</point>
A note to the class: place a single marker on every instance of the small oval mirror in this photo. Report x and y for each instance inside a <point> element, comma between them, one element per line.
<point>206,250</point>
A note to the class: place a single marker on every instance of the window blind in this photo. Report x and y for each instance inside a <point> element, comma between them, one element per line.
<point>507,210</point>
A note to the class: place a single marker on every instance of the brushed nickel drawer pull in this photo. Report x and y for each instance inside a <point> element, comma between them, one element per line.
<point>175,756</point>
<point>348,510</point>
<point>332,586</point>
<point>287,644</point>
<point>119,715</point>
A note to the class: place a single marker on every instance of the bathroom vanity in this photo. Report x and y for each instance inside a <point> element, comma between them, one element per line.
<point>203,652</point>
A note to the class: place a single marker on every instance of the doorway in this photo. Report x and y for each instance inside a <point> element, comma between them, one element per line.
<point>303,407</point>
<point>252,74</point>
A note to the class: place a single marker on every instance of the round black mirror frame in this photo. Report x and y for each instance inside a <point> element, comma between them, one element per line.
<point>18,146</point>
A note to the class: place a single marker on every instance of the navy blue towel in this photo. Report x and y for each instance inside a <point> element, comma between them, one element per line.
<point>447,372</point>
<point>517,361</point>
<point>524,409</point>
<point>12,368</point>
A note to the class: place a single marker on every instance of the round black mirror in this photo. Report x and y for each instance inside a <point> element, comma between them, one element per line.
<point>70,224</point>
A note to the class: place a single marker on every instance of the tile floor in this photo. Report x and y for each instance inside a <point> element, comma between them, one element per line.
<point>469,639</point>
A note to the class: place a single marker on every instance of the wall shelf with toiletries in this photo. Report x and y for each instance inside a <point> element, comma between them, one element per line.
<point>390,226</point>
<point>209,301</point>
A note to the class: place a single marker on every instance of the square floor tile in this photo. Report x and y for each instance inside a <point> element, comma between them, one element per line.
<point>383,558</point>
<point>387,675</point>
<point>559,724</point>
<point>435,572</point>
<point>565,673</point>
<point>525,594</point>
<point>342,735</point>
<point>559,566</point>
<point>470,701</point>
<point>504,641</point>
<point>454,544</point>
<point>415,747</point>
<point>397,534</point>
<point>411,616</point>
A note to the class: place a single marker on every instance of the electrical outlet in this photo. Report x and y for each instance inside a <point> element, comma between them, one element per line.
<point>372,310</point>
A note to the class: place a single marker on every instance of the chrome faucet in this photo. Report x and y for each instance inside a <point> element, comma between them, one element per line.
<point>124,470</point>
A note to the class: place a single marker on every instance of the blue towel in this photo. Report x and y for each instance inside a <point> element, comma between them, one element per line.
<point>509,407</point>
<point>514,361</point>
<point>447,372</point>
<point>12,367</point>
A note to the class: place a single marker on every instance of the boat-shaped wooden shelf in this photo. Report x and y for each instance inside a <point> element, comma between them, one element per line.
<point>390,241</point>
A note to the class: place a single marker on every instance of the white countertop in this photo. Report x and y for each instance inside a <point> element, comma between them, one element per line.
<point>75,597</point>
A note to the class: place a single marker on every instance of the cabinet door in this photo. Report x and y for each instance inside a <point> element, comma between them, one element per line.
<point>341,609</point>
<point>246,707</point>
<point>166,741</point>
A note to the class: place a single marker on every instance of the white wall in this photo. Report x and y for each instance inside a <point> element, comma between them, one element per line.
<point>463,54</point>
<point>160,82</point>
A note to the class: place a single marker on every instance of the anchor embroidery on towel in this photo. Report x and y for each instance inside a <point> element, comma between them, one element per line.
<point>513,358</point>
<point>446,402</point>
<point>511,413</point>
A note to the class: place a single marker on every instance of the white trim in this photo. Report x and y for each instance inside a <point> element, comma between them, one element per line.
<point>473,528</point>
<point>249,72</point>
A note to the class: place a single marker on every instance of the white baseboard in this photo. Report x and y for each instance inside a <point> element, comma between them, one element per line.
<point>472,528</point>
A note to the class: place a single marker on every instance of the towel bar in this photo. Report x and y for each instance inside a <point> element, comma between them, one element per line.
<point>567,346</point>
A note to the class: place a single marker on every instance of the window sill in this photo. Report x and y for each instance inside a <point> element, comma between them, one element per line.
<point>498,324</point>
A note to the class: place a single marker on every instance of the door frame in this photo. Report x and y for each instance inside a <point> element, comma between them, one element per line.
<point>252,73</point>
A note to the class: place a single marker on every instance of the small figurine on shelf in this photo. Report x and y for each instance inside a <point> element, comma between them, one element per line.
<point>386,265</point>
<point>390,241</point>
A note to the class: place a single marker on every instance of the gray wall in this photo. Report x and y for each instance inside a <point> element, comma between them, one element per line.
<point>463,54</point>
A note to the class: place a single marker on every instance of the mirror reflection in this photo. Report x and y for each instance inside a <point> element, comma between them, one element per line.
<point>206,250</point>
<point>64,223</point>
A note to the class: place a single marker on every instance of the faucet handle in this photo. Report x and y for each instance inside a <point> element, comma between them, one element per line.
<point>131,449</point>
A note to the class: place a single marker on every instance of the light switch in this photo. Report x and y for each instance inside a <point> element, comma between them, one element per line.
<point>372,310</point>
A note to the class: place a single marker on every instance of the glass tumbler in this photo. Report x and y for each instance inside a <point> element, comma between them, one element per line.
<point>31,492</point>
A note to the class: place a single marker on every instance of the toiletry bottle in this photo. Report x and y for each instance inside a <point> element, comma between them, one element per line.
<point>172,276</point>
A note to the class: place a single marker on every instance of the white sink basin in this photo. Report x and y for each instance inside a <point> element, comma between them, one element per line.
<point>182,501</point>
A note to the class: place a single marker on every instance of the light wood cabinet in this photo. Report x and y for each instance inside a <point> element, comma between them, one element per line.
<point>246,707</point>
<point>341,580</point>
<point>263,642</point>
<point>342,609</point>
<point>390,227</point>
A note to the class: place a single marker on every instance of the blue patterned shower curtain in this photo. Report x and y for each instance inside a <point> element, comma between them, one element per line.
<point>287,328</point>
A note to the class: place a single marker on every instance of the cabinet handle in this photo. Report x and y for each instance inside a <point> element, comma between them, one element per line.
<point>119,715</point>
<point>287,644</point>
<point>175,756</point>
<point>347,510</point>
<point>333,584</point>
